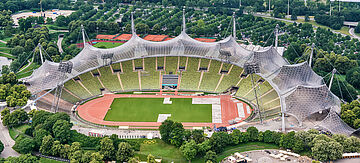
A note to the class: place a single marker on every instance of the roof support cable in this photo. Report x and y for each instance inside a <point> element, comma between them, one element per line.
<point>342,97</point>
<point>352,98</point>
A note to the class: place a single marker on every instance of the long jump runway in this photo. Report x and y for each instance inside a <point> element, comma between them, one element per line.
<point>95,110</point>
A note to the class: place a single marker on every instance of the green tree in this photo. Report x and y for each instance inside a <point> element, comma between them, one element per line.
<point>65,151</point>
<point>253,133</point>
<point>156,29</point>
<point>357,123</point>
<point>293,16</point>
<point>287,141</point>
<point>357,29</point>
<point>351,144</point>
<point>1,147</point>
<point>142,28</point>
<point>61,21</point>
<point>107,148</point>
<point>46,145</point>
<point>348,117</point>
<point>210,156</point>
<point>27,158</point>
<point>134,160</point>
<point>189,150</point>
<point>96,157</point>
<point>151,159</point>
<point>353,77</point>
<point>327,150</point>
<point>86,156</point>
<point>56,148</point>
<point>38,135</point>
<point>125,152</point>
<point>24,145</point>
<point>307,18</point>
<point>61,131</point>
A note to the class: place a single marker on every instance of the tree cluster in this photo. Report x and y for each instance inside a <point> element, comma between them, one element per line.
<point>15,118</point>
<point>350,114</point>
<point>334,22</point>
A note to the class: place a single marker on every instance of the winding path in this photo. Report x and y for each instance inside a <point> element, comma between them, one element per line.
<point>7,141</point>
<point>352,32</point>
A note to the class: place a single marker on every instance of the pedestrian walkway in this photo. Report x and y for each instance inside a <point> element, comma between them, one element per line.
<point>8,142</point>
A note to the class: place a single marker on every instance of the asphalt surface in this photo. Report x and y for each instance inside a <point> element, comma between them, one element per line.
<point>7,141</point>
<point>352,32</point>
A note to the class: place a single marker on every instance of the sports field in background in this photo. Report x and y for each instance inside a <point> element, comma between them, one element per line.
<point>148,109</point>
<point>107,45</point>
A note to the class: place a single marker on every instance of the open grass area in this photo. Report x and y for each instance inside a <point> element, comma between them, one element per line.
<point>343,30</point>
<point>107,45</point>
<point>160,149</point>
<point>169,153</point>
<point>241,148</point>
<point>148,109</point>
<point>15,131</point>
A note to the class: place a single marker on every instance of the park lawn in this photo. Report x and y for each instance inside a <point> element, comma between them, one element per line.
<point>148,109</point>
<point>159,149</point>
<point>15,131</point>
<point>46,160</point>
<point>343,30</point>
<point>250,146</point>
<point>2,44</point>
<point>5,50</point>
<point>107,45</point>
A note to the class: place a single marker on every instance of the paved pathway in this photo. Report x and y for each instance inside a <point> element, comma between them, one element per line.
<point>3,41</point>
<point>352,32</point>
<point>59,44</point>
<point>7,141</point>
<point>290,21</point>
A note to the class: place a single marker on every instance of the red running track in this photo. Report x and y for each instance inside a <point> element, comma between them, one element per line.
<point>95,110</point>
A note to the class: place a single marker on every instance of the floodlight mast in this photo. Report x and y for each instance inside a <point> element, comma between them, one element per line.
<point>251,68</point>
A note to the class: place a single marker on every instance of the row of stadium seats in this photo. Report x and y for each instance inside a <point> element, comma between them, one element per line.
<point>89,84</point>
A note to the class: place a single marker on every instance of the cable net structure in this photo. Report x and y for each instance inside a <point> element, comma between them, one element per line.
<point>304,101</point>
<point>333,123</point>
<point>302,92</point>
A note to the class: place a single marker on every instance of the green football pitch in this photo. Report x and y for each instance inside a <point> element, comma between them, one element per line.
<point>148,109</point>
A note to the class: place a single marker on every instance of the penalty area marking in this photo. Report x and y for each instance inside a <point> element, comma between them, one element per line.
<point>163,117</point>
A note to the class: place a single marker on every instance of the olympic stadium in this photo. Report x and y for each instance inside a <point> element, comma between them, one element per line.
<point>260,80</point>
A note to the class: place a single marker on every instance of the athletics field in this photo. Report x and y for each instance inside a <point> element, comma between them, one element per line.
<point>148,110</point>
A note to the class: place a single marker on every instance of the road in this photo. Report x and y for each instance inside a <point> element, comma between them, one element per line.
<point>290,21</point>
<point>59,44</point>
<point>7,141</point>
<point>352,32</point>
<point>3,41</point>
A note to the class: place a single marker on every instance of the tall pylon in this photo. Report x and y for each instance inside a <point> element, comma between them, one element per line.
<point>332,78</point>
<point>132,24</point>
<point>184,21</point>
<point>83,34</point>
<point>234,26</point>
<point>41,55</point>
<point>276,36</point>
<point>312,53</point>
